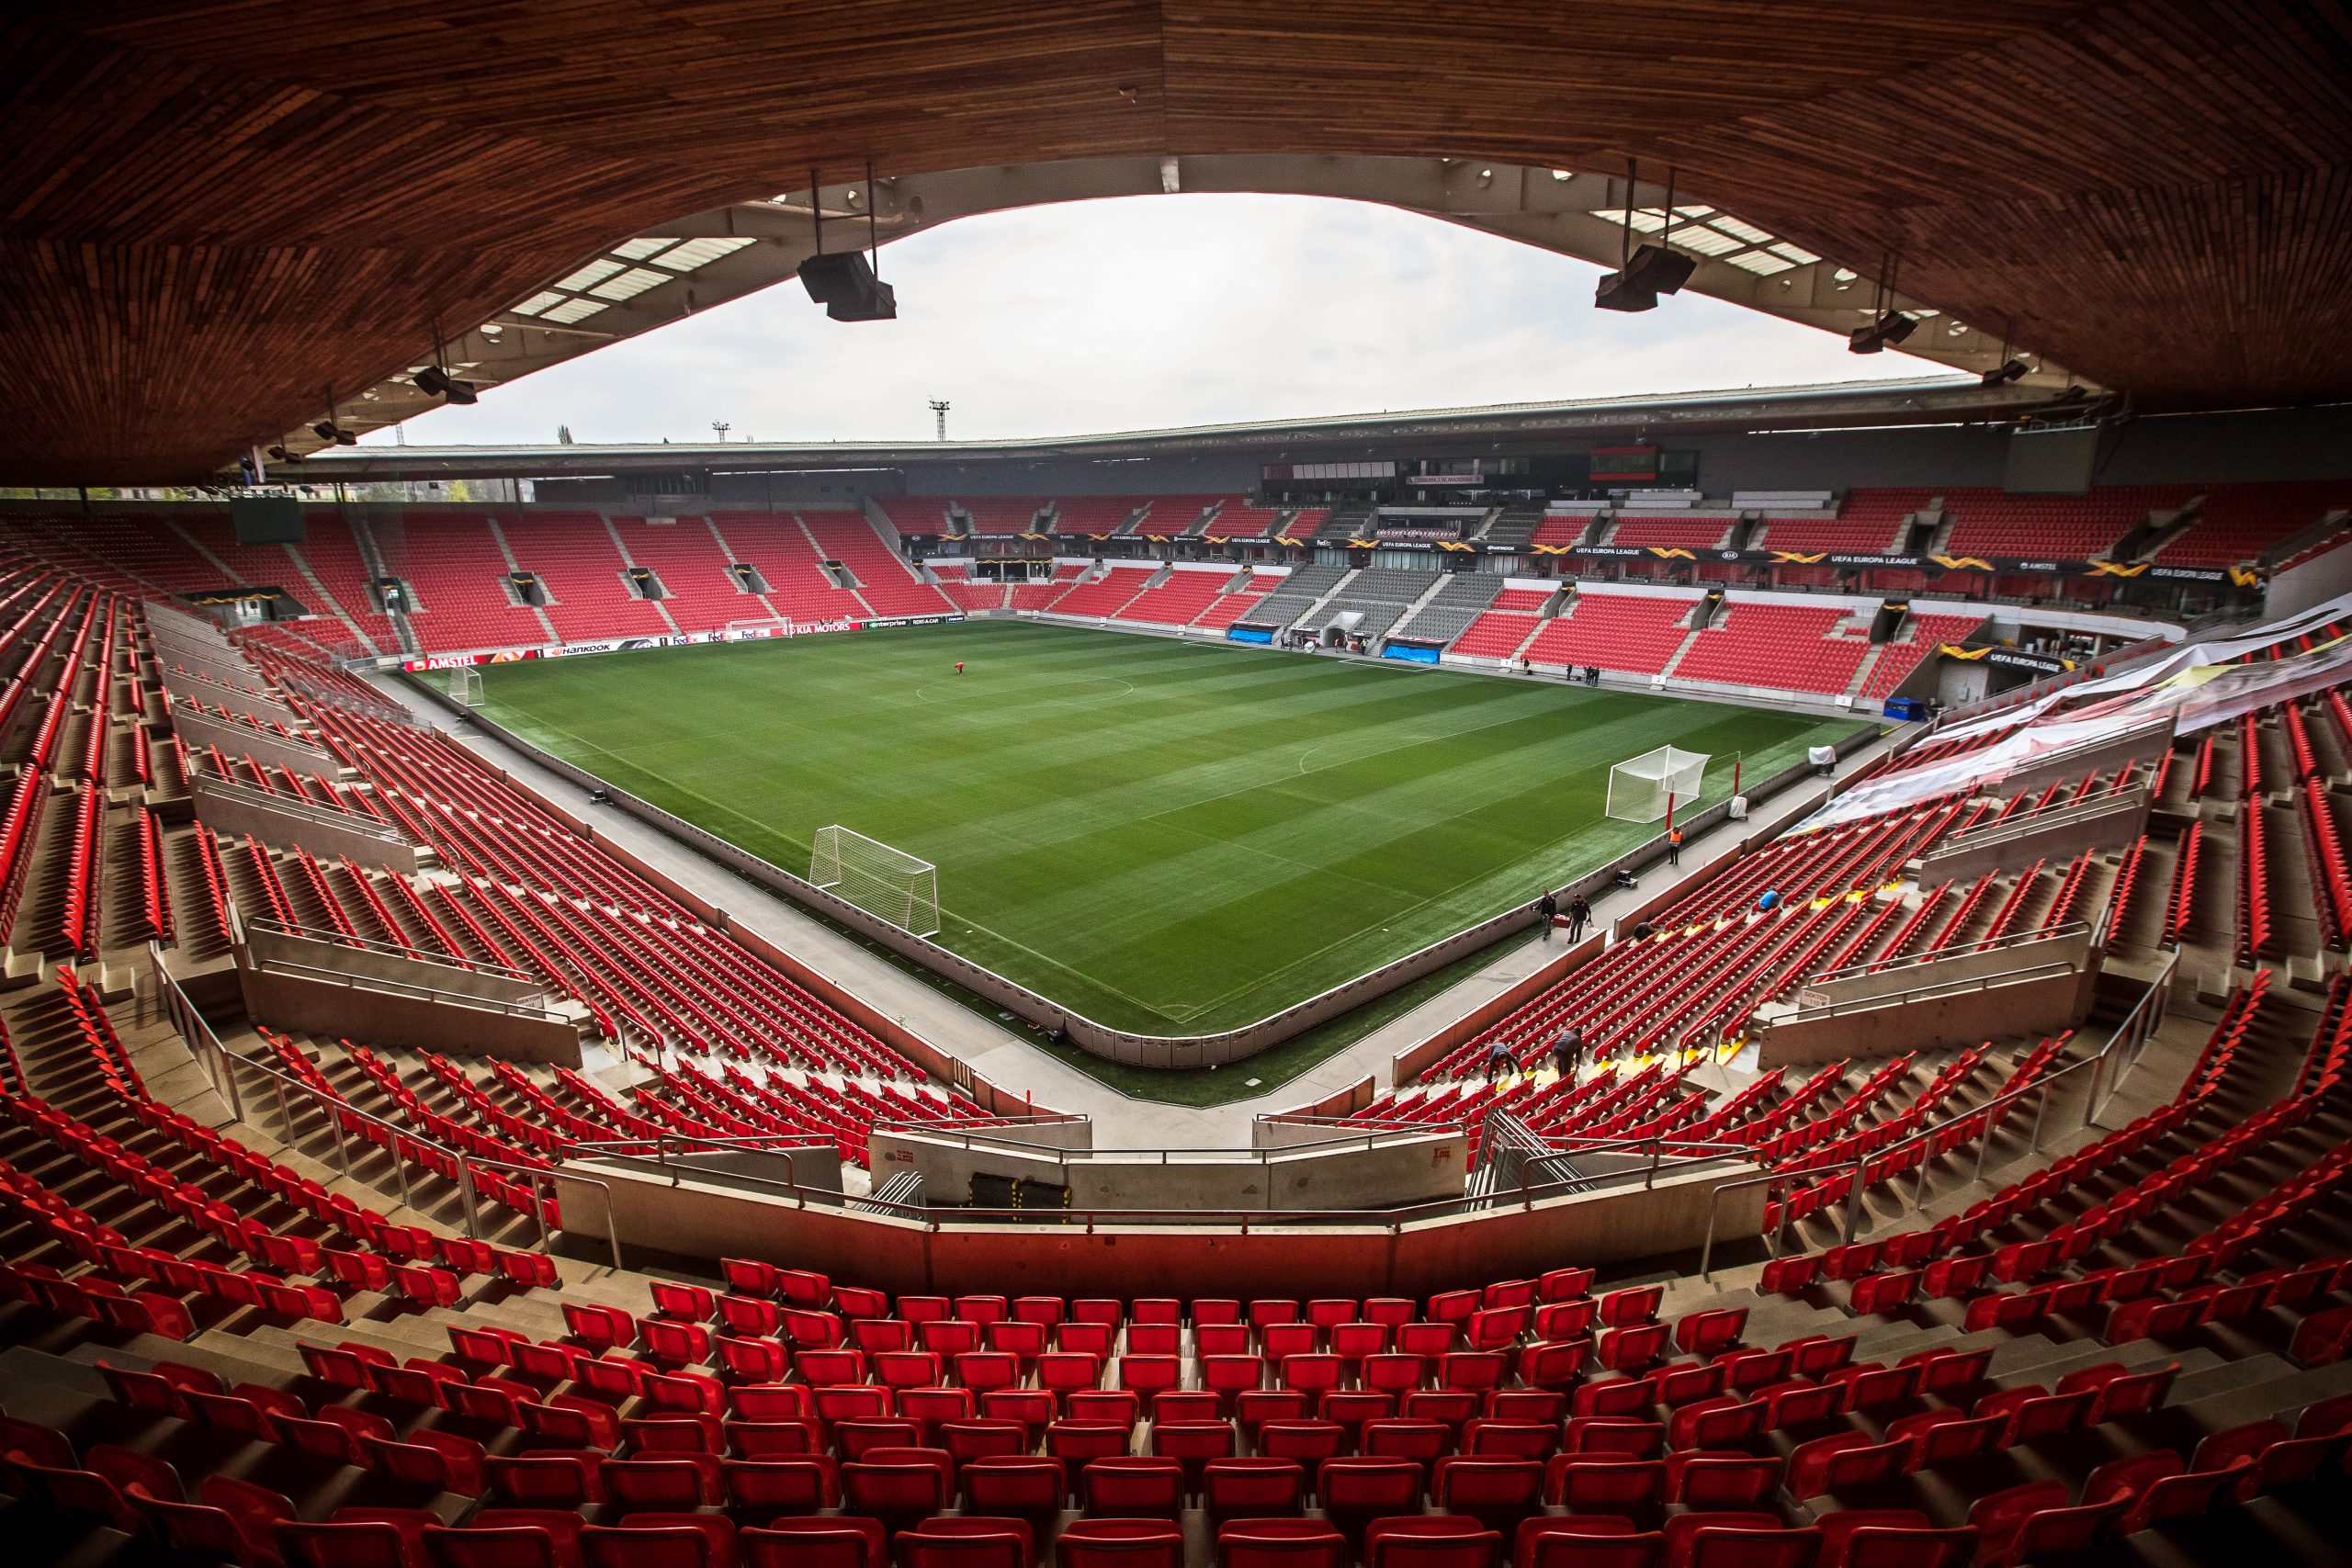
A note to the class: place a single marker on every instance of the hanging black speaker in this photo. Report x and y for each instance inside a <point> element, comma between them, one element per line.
<point>845,284</point>
<point>1657,270</point>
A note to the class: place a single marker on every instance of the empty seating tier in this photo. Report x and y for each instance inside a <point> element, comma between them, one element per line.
<point>1785,646</point>
<point>884,582</point>
<point>1632,633</point>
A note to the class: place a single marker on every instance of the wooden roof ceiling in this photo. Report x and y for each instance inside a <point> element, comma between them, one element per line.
<point>211,213</point>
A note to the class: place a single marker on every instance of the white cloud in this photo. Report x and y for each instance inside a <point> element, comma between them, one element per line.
<point>1150,311</point>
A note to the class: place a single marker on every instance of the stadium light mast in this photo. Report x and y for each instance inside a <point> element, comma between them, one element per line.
<point>722,427</point>
<point>939,410</point>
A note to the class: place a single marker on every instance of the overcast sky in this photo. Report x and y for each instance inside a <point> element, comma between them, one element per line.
<point>1148,311</point>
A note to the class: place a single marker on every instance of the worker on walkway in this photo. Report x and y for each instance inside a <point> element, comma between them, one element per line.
<point>1548,909</point>
<point>1674,846</point>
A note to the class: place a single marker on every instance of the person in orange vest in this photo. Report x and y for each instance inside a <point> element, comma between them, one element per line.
<point>1674,846</point>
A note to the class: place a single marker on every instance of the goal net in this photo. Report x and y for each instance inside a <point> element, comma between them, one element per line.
<point>877,878</point>
<point>1640,787</point>
<point>465,686</point>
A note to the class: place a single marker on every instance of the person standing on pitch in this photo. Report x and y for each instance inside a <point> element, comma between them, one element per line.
<point>1578,913</point>
<point>959,667</point>
<point>1501,1058</point>
<point>1567,1053</point>
<point>1549,909</point>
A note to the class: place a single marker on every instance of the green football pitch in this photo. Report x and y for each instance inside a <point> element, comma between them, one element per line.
<point>1166,837</point>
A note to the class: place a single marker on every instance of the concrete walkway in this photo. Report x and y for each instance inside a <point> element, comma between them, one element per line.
<point>1008,1059</point>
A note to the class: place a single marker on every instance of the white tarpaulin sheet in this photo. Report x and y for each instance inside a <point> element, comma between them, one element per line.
<point>2147,673</point>
<point>2189,690</point>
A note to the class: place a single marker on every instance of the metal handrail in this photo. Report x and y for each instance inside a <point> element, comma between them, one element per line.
<point>965,1135</point>
<point>222,1067</point>
<point>1941,989</point>
<point>1957,950</point>
<point>405,989</point>
<point>1391,1219</point>
<point>353,822</point>
<point>397,949</point>
<point>990,1118</point>
<point>2129,1040</point>
<point>2040,817</point>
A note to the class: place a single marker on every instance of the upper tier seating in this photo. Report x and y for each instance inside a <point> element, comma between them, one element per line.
<point>884,580</point>
<point>1562,527</point>
<point>1081,514</point>
<point>699,592</point>
<point>1783,646</point>
<point>1170,515</point>
<point>776,545</point>
<point>574,558</point>
<point>1635,633</point>
<point>333,552</point>
<point>255,566</point>
<point>459,576</point>
<point>915,513</point>
<point>1237,519</point>
<point>995,513</point>
<point>2053,527</point>
<point>1873,532</point>
<point>2238,522</point>
<point>1882,512</point>
<point>1672,530</point>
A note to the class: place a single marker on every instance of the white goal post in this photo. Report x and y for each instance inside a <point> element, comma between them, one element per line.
<point>877,878</point>
<point>1640,787</point>
<point>465,686</point>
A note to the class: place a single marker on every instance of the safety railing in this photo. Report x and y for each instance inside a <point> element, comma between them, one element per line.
<point>2024,823</point>
<point>391,949</point>
<point>2098,1076</point>
<point>338,1118</point>
<point>1826,1009</point>
<point>379,982</point>
<point>1392,1220</point>
<point>1957,950</point>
